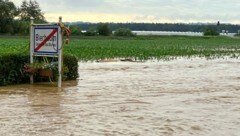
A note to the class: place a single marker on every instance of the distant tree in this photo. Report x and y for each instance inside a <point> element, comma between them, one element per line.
<point>211,32</point>
<point>123,32</point>
<point>75,30</point>
<point>103,29</point>
<point>91,32</point>
<point>31,9</point>
<point>7,13</point>
<point>21,27</point>
<point>218,27</point>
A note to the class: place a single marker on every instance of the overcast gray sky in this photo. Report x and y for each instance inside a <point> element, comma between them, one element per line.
<point>157,11</point>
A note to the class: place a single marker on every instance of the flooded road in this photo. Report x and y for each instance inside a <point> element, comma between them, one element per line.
<point>181,97</point>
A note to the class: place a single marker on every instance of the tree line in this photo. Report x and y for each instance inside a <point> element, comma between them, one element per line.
<point>93,29</point>
<point>181,27</point>
<point>15,20</point>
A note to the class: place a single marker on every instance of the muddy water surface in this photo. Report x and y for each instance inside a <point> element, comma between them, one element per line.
<point>181,97</point>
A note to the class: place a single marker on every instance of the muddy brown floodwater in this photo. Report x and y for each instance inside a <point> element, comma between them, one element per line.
<point>182,97</point>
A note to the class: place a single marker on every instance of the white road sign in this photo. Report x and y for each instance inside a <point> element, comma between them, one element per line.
<point>46,40</point>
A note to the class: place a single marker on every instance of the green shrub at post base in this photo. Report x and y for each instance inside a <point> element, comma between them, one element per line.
<point>72,64</point>
<point>12,65</point>
<point>11,69</point>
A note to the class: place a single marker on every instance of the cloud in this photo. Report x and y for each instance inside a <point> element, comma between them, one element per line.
<point>144,10</point>
<point>88,17</point>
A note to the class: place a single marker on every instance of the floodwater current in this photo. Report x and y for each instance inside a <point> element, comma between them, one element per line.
<point>182,97</point>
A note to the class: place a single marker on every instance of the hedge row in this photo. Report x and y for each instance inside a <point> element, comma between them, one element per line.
<point>12,69</point>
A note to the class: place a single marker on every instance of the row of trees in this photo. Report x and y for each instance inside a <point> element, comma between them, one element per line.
<point>93,29</point>
<point>102,29</point>
<point>181,27</point>
<point>16,19</point>
<point>105,29</point>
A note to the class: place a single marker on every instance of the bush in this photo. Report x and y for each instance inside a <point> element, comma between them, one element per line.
<point>123,32</point>
<point>72,64</point>
<point>210,32</point>
<point>103,29</point>
<point>237,35</point>
<point>12,69</point>
<point>91,32</point>
<point>21,27</point>
<point>75,30</point>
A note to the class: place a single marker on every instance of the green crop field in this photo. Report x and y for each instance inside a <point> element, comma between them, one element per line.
<point>140,47</point>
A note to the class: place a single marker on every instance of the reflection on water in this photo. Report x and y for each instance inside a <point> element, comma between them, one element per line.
<point>178,97</point>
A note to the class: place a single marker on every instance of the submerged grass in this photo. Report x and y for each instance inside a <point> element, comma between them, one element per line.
<point>157,47</point>
<point>140,47</point>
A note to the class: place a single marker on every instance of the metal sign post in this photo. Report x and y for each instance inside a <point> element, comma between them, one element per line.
<point>31,47</point>
<point>60,56</point>
<point>46,40</point>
